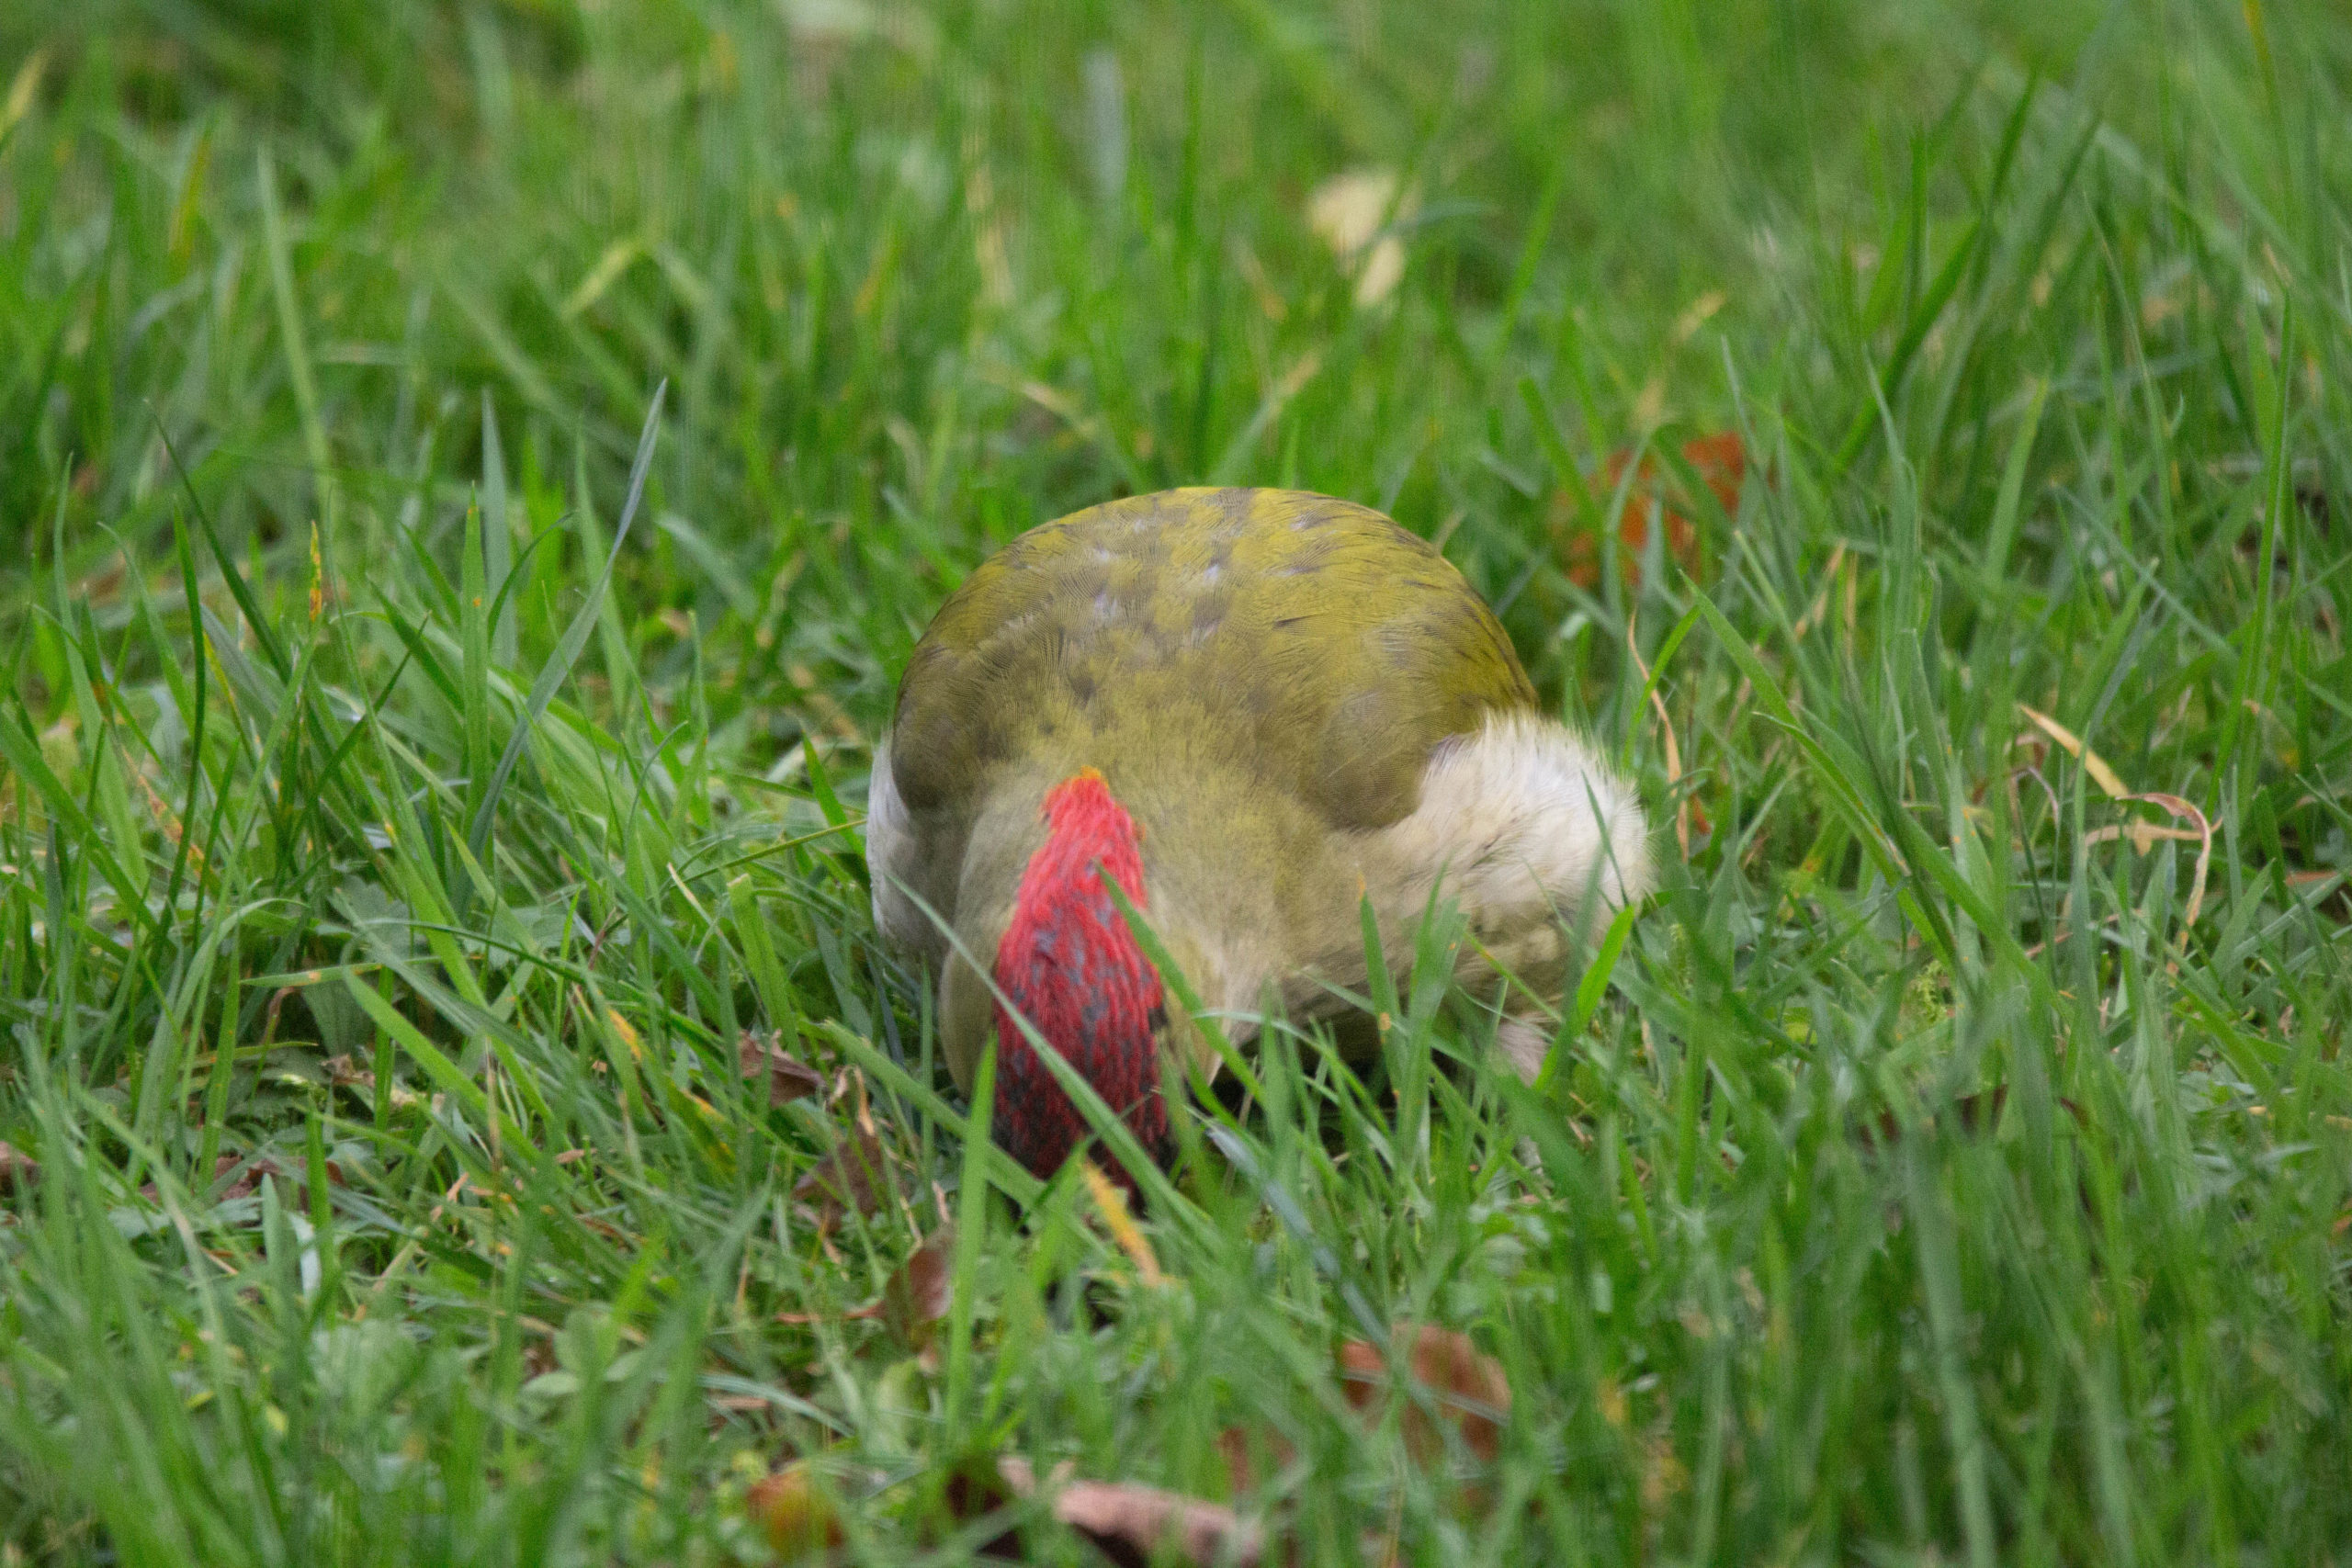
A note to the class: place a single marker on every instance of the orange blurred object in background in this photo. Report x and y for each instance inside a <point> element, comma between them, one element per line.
<point>1719,460</point>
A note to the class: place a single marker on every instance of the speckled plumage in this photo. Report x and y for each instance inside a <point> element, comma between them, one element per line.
<point>1325,648</point>
<point>1269,682</point>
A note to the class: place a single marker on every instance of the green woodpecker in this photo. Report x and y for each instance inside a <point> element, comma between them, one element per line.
<point>1252,709</point>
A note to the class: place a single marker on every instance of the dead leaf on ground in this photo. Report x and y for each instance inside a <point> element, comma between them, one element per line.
<point>786,1078</point>
<point>1242,1449</point>
<point>977,1488</point>
<point>17,1168</point>
<point>1721,462</point>
<point>1352,213</point>
<point>921,1290</point>
<point>1467,1385</point>
<point>345,1072</point>
<point>2093,763</point>
<point>247,1183</point>
<point>916,1296</point>
<point>2186,811</point>
<point>1133,1523</point>
<point>796,1512</point>
<point>854,1175</point>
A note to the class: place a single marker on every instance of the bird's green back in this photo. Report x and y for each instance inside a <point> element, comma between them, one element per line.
<point>1308,644</point>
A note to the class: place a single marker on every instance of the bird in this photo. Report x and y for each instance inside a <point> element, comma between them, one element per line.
<point>1252,711</point>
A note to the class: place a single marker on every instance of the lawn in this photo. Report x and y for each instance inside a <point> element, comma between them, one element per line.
<point>472,470</point>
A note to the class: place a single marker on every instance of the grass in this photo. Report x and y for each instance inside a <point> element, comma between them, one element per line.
<point>392,853</point>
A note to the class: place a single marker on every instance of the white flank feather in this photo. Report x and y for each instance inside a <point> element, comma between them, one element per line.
<point>888,844</point>
<point>1523,826</point>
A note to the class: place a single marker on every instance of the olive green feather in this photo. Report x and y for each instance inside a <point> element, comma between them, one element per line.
<point>1310,641</point>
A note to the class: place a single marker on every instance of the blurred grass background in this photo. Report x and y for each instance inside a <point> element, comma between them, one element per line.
<point>1949,1167</point>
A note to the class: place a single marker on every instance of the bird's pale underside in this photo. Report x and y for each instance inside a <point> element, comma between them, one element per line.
<point>1302,705</point>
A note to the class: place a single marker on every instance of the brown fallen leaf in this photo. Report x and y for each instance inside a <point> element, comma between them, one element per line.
<point>786,1077</point>
<point>919,1292</point>
<point>854,1174</point>
<point>797,1514</point>
<point>977,1488</point>
<point>1134,1525</point>
<point>18,1169</point>
<point>1721,462</point>
<point>916,1296</point>
<point>1242,1447</point>
<point>1467,1385</point>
